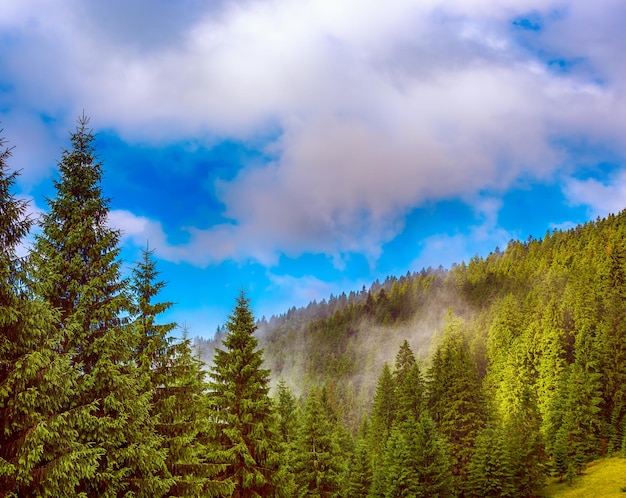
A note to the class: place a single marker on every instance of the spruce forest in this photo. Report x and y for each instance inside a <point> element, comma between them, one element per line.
<point>484,380</point>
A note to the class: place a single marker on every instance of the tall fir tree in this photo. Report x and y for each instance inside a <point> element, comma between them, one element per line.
<point>415,463</point>
<point>247,436</point>
<point>409,384</point>
<point>318,463</point>
<point>39,451</point>
<point>523,438</point>
<point>76,268</point>
<point>455,397</point>
<point>153,338</point>
<point>383,414</point>
<point>490,472</point>
<point>176,379</point>
<point>360,473</point>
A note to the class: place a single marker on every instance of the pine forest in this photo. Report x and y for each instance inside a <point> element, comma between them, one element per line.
<point>488,379</point>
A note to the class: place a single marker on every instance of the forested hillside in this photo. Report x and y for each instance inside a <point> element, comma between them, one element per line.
<point>538,328</point>
<point>477,381</point>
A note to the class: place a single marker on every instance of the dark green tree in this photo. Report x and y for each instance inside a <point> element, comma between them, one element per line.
<point>560,455</point>
<point>383,414</point>
<point>522,435</point>
<point>153,340</point>
<point>409,384</point>
<point>455,397</point>
<point>318,462</point>
<point>489,472</point>
<point>76,268</point>
<point>247,436</point>
<point>286,409</point>
<point>360,472</point>
<point>176,379</point>
<point>412,394</point>
<point>40,454</point>
<point>415,464</point>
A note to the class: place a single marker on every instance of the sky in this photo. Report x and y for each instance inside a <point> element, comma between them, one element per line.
<point>301,148</point>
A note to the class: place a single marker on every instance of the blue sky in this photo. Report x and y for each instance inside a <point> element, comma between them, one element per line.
<point>298,148</point>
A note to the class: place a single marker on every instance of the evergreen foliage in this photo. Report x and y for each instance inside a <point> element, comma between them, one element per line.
<point>455,398</point>
<point>40,454</point>
<point>415,464</point>
<point>489,472</point>
<point>383,414</point>
<point>77,270</point>
<point>247,436</point>
<point>176,379</point>
<point>318,461</point>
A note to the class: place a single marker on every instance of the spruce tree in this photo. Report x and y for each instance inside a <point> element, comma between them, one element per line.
<point>613,338</point>
<point>153,340</point>
<point>383,414</point>
<point>522,430</point>
<point>176,379</point>
<point>318,465</point>
<point>490,473</point>
<point>76,268</point>
<point>360,472</point>
<point>247,436</point>
<point>39,451</point>
<point>455,397</point>
<point>409,384</point>
<point>415,463</point>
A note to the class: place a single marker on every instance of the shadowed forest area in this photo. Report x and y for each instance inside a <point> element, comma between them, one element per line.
<point>478,381</point>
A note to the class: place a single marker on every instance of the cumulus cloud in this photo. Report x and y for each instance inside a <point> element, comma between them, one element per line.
<point>376,109</point>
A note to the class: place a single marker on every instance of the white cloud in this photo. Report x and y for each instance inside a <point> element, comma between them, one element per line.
<point>600,198</point>
<point>380,108</point>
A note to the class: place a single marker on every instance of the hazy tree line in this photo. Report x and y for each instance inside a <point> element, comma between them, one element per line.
<point>525,377</point>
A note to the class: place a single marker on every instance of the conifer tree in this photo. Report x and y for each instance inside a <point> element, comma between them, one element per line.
<point>39,451</point>
<point>489,472</point>
<point>76,268</point>
<point>455,396</point>
<point>286,410</point>
<point>317,461</point>
<point>153,340</point>
<point>360,472</point>
<point>247,436</point>
<point>415,464</point>
<point>183,419</point>
<point>409,384</point>
<point>522,430</point>
<point>383,414</point>
<point>176,379</point>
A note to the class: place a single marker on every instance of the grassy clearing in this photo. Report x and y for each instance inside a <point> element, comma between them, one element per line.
<point>603,479</point>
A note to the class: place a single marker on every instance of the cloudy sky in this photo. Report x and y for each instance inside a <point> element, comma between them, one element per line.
<point>298,148</point>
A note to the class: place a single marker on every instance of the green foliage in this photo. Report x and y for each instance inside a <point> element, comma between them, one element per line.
<point>415,463</point>
<point>176,379</point>
<point>490,472</point>
<point>76,269</point>
<point>383,414</point>
<point>455,398</point>
<point>247,436</point>
<point>318,460</point>
<point>40,454</point>
<point>360,473</point>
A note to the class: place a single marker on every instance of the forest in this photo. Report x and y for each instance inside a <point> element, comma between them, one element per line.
<point>483,380</point>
